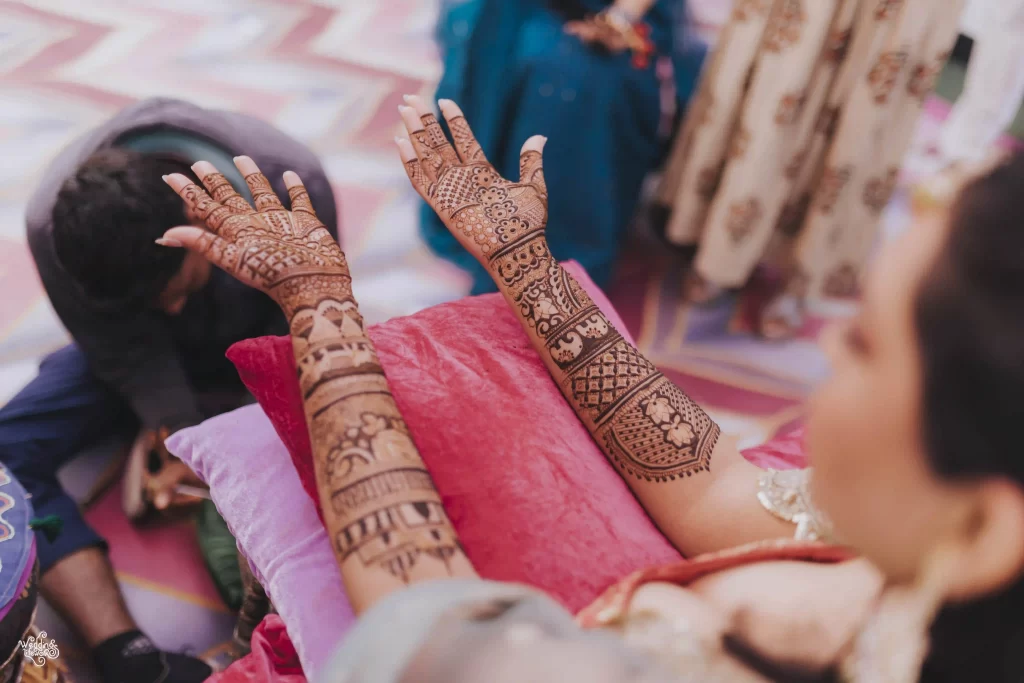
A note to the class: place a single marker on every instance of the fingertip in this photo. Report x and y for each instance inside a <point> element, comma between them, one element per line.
<point>449,109</point>
<point>411,119</point>
<point>177,181</point>
<point>405,149</point>
<point>181,236</point>
<point>417,103</point>
<point>203,169</point>
<point>246,165</point>
<point>535,144</point>
<point>291,179</point>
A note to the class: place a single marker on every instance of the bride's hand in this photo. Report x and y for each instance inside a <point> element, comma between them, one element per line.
<point>290,255</point>
<point>484,211</point>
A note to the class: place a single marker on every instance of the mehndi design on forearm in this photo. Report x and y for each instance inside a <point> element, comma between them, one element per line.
<point>650,429</point>
<point>646,425</point>
<point>380,505</point>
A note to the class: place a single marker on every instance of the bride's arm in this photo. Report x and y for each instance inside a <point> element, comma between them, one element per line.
<point>692,481</point>
<point>381,509</point>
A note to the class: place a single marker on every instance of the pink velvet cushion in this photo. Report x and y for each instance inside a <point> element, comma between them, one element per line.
<point>531,496</point>
<point>257,491</point>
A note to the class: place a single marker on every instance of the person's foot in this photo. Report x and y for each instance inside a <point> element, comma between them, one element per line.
<point>131,657</point>
<point>698,290</point>
<point>782,318</point>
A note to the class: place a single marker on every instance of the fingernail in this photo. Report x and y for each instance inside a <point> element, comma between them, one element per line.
<point>165,177</point>
<point>162,500</point>
<point>407,98</point>
<point>398,139</point>
<point>402,108</point>
<point>445,102</point>
<point>169,242</point>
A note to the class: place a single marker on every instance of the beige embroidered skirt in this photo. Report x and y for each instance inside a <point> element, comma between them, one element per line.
<point>793,143</point>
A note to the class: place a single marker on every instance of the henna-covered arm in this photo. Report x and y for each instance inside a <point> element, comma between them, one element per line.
<point>380,506</point>
<point>692,481</point>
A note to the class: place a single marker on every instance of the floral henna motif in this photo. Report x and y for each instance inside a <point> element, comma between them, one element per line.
<point>660,434</point>
<point>603,376</point>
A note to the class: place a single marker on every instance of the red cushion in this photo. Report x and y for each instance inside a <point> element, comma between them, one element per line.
<point>532,497</point>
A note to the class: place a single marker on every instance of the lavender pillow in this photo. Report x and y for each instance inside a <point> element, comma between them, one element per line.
<point>256,489</point>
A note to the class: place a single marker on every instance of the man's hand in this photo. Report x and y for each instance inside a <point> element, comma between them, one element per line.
<point>162,488</point>
<point>598,30</point>
<point>290,255</point>
<point>485,212</point>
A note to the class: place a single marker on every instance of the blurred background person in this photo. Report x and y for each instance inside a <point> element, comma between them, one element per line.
<point>584,74</point>
<point>795,140</point>
<point>993,85</point>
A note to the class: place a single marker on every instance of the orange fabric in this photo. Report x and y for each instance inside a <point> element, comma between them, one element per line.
<point>614,602</point>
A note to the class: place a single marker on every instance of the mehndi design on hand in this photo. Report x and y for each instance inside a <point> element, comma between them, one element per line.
<point>488,214</point>
<point>275,250</point>
<point>380,505</point>
<point>648,427</point>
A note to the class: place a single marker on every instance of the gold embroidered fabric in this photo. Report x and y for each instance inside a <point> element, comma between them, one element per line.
<point>786,494</point>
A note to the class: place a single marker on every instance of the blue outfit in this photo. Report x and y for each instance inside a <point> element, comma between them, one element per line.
<point>515,73</point>
<point>63,411</point>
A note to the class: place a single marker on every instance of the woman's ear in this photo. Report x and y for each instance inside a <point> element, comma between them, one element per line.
<point>991,543</point>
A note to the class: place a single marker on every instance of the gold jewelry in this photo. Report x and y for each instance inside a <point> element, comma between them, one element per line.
<point>786,495</point>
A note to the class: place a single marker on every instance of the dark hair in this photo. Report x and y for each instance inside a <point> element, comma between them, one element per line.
<point>105,221</point>
<point>970,322</point>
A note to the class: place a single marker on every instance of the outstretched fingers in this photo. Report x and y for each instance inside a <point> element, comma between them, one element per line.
<point>531,164</point>
<point>465,142</point>
<point>263,195</point>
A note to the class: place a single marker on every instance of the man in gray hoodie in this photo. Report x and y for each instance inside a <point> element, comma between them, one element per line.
<point>150,326</point>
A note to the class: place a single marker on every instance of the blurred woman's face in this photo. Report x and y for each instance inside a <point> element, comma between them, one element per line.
<point>864,434</point>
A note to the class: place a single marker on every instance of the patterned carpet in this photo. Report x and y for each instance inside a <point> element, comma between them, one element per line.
<point>331,73</point>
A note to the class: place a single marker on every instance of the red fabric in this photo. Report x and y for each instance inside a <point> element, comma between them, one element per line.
<point>273,658</point>
<point>532,497</point>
